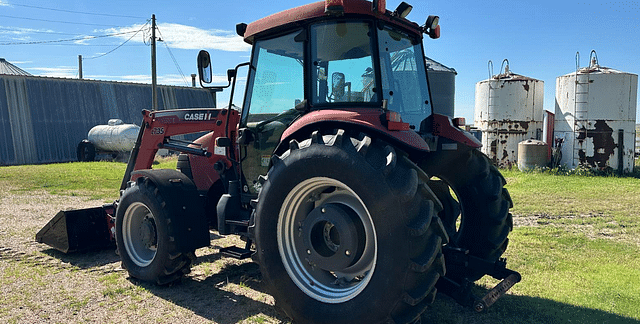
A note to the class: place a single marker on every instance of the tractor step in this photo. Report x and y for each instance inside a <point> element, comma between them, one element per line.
<point>236,252</point>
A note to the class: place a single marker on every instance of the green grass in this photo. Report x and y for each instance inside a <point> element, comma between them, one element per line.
<point>95,180</point>
<point>539,193</point>
<point>577,245</point>
<point>573,269</point>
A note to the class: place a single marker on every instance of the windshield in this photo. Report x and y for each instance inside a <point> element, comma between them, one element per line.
<point>276,77</point>
<point>404,81</point>
<point>342,70</point>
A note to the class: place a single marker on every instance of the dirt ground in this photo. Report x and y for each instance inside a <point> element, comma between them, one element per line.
<point>41,285</point>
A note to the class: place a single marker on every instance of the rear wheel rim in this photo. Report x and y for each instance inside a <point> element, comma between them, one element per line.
<point>139,234</point>
<point>327,240</point>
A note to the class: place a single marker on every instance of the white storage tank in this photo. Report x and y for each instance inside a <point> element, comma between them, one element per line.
<point>116,136</point>
<point>596,117</point>
<point>508,110</point>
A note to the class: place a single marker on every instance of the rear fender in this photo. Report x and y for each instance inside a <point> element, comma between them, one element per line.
<point>371,121</point>
<point>188,219</point>
<point>441,125</point>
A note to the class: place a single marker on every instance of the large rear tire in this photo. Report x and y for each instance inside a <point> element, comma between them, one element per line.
<point>346,232</point>
<point>143,227</point>
<point>476,211</point>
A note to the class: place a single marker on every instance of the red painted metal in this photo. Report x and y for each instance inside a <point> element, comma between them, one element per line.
<point>368,118</point>
<point>443,126</point>
<point>382,6</point>
<point>161,125</point>
<point>288,18</point>
<point>549,129</point>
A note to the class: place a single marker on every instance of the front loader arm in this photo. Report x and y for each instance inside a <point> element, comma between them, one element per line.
<point>159,126</point>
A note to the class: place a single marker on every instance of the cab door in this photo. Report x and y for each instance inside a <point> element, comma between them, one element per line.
<point>274,87</point>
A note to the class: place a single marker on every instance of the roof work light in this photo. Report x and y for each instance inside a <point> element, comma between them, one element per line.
<point>432,27</point>
<point>403,10</point>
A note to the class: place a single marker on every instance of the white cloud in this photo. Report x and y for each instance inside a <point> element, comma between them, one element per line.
<point>188,37</point>
<point>166,79</point>
<point>21,62</point>
<point>82,41</point>
<point>21,31</point>
<point>57,72</point>
<point>4,4</point>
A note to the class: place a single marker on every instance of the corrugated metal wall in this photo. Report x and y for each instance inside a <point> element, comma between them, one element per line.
<point>42,120</point>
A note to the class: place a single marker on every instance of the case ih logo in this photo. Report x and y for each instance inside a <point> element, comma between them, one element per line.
<point>199,116</point>
<point>187,115</point>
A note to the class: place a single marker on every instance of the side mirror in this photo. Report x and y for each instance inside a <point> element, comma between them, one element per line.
<point>337,85</point>
<point>204,67</point>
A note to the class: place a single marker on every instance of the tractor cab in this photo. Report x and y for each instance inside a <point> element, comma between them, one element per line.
<point>348,55</point>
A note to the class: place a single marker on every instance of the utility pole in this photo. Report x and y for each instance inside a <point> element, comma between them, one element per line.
<point>154,83</point>
<point>80,67</point>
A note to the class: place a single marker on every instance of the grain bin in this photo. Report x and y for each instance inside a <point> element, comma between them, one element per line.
<point>595,117</point>
<point>442,82</point>
<point>508,110</point>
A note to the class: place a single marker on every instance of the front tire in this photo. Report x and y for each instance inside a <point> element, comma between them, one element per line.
<point>143,230</point>
<point>346,232</point>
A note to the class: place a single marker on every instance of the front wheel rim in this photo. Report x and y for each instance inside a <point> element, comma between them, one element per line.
<point>139,234</point>
<point>327,240</point>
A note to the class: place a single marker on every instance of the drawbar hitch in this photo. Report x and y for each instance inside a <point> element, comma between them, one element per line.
<point>457,260</point>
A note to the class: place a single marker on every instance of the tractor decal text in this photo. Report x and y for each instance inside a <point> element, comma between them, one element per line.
<point>198,116</point>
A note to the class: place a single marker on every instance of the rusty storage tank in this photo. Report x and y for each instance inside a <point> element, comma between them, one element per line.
<point>532,154</point>
<point>508,110</point>
<point>595,117</point>
<point>442,82</point>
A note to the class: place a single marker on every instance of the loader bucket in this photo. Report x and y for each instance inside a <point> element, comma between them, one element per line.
<point>78,230</point>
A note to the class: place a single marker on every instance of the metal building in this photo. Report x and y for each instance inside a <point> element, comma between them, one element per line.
<point>10,69</point>
<point>442,83</point>
<point>43,119</point>
<point>508,110</point>
<point>596,117</point>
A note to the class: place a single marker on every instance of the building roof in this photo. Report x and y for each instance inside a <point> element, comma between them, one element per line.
<point>10,69</point>
<point>433,65</point>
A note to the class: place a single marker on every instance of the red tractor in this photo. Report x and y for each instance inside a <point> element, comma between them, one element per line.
<point>356,200</point>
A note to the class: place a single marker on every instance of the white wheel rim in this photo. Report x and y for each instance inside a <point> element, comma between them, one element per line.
<point>326,283</point>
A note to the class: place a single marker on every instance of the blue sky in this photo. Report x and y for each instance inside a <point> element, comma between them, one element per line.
<point>539,38</point>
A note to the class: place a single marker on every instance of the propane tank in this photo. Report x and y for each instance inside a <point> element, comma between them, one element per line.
<point>116,136</point>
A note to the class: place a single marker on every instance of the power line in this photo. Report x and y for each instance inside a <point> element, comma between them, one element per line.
<point>66,40</point>
<point>97,45</point>
<point>77,12</point>
<point>21,30</point>
<point>58,21</point>
<point>101,55</point>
